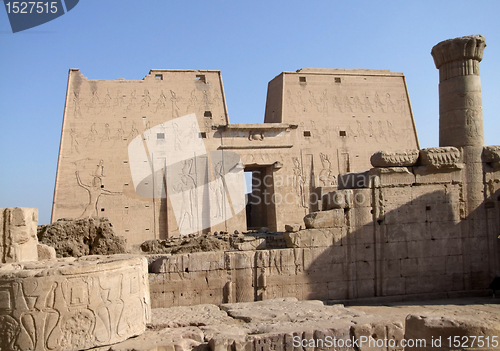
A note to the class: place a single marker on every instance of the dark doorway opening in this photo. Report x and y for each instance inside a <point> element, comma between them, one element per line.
<point>261,207</point>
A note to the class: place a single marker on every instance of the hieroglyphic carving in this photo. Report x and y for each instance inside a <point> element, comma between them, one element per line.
<point>107,134</point>
<point>69,305</point>
<point>187,186</point>
<point>255,135</point>
<point>299,181</point>
<point>161,103</point>
<point>92,136</point>
<point>175,108</point>
<point>95,190</point>
<point>118,137</point>
<point>146,99</point>
<point>193,102</point>
<point>133,131</point>
<point>361,132</point>
<point>74,141</point>
<point>326,176</point>
<point>77,102</point>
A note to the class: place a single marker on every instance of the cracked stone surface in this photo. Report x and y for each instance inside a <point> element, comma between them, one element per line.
<point>273,323</point>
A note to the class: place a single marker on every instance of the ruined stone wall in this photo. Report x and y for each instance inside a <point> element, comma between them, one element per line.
<point>406,235</point>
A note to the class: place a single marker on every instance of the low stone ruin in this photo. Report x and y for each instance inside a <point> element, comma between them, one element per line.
<point>65,304</point>
<point>81,237</point>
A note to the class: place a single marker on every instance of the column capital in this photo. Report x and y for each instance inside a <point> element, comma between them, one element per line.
<point>464,48</point>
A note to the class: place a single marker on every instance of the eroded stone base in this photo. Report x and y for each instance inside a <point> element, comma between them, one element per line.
<point>73,304</point>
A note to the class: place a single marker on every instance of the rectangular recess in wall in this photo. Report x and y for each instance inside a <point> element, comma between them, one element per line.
<point>302,80</point>
<point>201,78</point>
<point>338,80</point>
<point>159,76</point>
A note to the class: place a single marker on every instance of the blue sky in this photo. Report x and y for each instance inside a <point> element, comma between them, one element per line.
<point>250,42</point>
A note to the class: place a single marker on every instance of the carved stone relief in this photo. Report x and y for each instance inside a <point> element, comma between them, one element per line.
<point>68,304</point>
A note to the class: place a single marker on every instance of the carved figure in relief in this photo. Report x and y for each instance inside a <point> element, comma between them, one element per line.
<point>133,131</point>
<point>107,99</point>
<point>193,102</point>
<point>382,131</point>
<point>289,100</point>
<point>337,103</point>
<point>175,108</point>
<point>368,105</point>
<point>107,134</point>
<point>402,105</point>
<point>187,186</point>
<point>9,332</point>
<point>206,99</point>
<point>177,139</point>
<point>95,190</point>
<point>299,181</point>
<point>347,103</point>
<point>389,103</point>
<point>74,141</point>
<point>471,120</point>
<point>146,99</point>
<point>92,136</point>
<point>361,132</point>
<point>392,133</point>
<point>324,102</point>
<point>94,100</point>
<point>118,137</point>
<point>216,99</point>
<point>132,100</point>
<point>358,104</point>
<point>351,133</point>
<point>119,100</point>
<point>217,188</point>
<point>99,171</point>
<point>301,103</point>
<point>76,101</point>
<point>313,102</point>
<point>255,135</point>
<point>379,104</point>
<point>161,103</point>
<point>371,131</point>
<point>326,176</point>
<point>77,328</point>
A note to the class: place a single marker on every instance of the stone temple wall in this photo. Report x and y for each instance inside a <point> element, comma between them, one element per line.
<point>406,234</point>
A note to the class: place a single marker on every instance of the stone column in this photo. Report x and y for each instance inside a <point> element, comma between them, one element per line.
<point>460,108</point>
<point>460,105</point>
<point>461,126</point>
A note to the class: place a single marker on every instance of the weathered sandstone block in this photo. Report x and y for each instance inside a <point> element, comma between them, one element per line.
<point>18,241</point>
<point>338,199</point>
<point>73,304</point>
<point>405,158</point>
<point>441,157</point>
<point>313,237</point>
<point>391,176</point>
<point>46,252</point>
<point>293,227</point>
<point>452,328</point>
<point>325,219</point>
